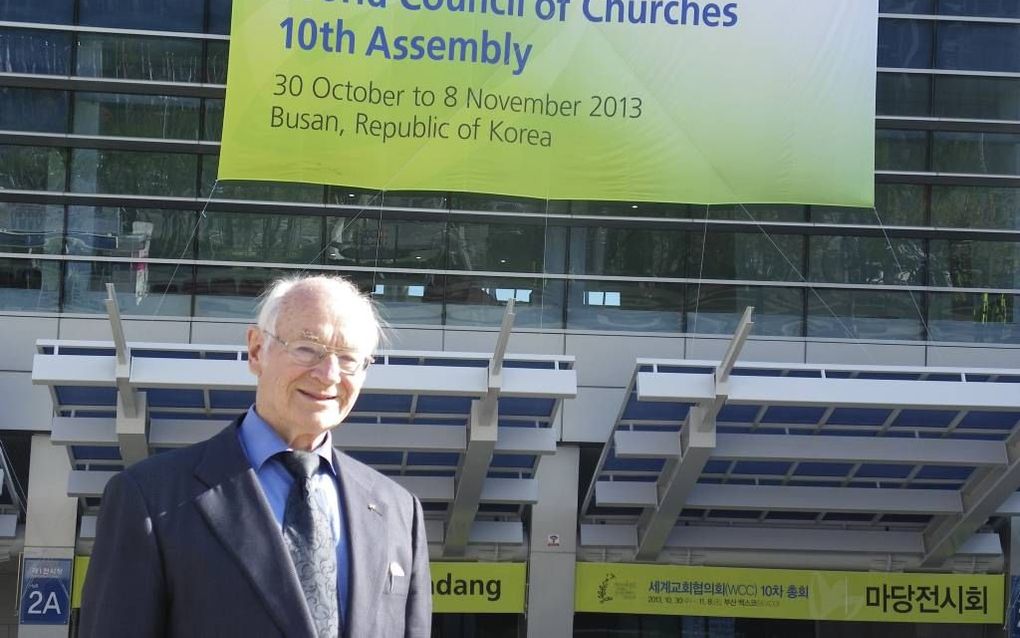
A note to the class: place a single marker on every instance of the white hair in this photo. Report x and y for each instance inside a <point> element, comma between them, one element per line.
<point>359,311</point>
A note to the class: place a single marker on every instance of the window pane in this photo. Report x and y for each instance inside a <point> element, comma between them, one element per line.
<point>231,291</point>
<point>404,298</point>
<point>142,289</point>
<point>977,46</point>
<point>986,8</point>
<point>600,250</point>
<point>866,260</point>
<point>970,317</point>
<point>138,57</point>
<point>507,248</point>
<point>219,16</point>
<point>716,309</point>
<point>903,94</point>
<point>361,197</point>
<point>977,97</point>
<point>52,11</point>
<point>625,305</point>
<point>130,232</point>
<point>31,228</point>
<point>33,168</point>
<point>896,205</point>
<point>359,241</point>
<point>38,52</point>
<point>213,124</point>
<point>507,204</point>
<point>635,209</point>
<point>216,62</point>
<point>36,110</point>
<point>755,256</point>
<point>906,6</point>
<point>31,285</point>
<point>901,150</point>
<point>162,15</point>
<point>985,153</point>
<point>260,191</point>
<point>266,238</point>
<point>904,44</point>
<point>863,314</point>
<point>130,172</point>
<point>964,263</point>
<point>481,301</point>
<point>122,115</point>
<point>756,212</point>
<point>975,207</point>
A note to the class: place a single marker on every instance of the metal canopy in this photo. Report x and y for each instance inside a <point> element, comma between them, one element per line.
<point>864,462</point>
<point>115,403</point>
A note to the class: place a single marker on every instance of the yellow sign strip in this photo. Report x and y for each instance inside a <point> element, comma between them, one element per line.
<point>788,594</point>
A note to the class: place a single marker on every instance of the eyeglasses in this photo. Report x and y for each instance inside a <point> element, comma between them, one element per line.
<point>309,353</point>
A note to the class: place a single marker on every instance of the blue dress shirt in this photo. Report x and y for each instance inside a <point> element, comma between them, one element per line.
<point>260,444</point>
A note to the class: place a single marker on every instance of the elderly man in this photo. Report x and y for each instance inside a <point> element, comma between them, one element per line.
<point>264,529</point>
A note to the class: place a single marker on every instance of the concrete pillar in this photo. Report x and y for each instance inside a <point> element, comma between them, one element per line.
<point>52,517</point>
<point>553,551</point>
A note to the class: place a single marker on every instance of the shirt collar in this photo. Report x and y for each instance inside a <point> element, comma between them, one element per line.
<point>261,442</point>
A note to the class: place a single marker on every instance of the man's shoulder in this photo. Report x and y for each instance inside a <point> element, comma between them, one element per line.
<point>160,470</point>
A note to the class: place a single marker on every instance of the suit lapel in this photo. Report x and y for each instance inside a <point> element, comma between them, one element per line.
<point>236,509</point>
<point>366,526</point>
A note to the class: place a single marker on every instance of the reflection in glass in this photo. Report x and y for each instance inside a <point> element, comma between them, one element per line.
<point>983,153</point>
<point>138,57</point>
<point>216,62</point>
<point>754,212</point>
<point>974,317</point>
<point>179,15</point>
<point>121,231</point>
<point>121,115</point>
<point>602,250</point>
<point>625,305</point>
<point>31,285</point>
<point>34,168</point>
<point>505,247</point>
<point>365,240</point>
<point>36,52</point>
<point>985,8</point>
<point>901,150</point>
<point>978,46</point>
<point>257,237</point>
<point>372,199</point>
<point>634,209</point>
<point>903,94</point>
<point>975,207</point>
<point>716,309</point>
<point>866,260</point>
<point>904,44</point>
<point>52,11</point>
<point>906,6</point>
<point>213,122</point>
<point>30,228</point>
<point>142,289</point>
<point>36,110</point>
<point>132,172</point>
<point>506,203</point>
<point>965,263</point>
<point>404,298</point>
<point>986,98</point>
<point>755,256</point>
<point>480,301</point>
<point>219,16</point>
<point>864,314</point>
<point>231,291</point>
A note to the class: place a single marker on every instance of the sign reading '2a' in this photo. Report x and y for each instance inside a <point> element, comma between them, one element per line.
<point>46,591</point>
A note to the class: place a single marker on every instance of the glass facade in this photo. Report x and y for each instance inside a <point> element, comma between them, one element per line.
<point>131,197</point>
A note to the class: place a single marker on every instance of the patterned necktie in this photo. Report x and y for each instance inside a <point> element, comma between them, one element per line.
<point>309,538</point>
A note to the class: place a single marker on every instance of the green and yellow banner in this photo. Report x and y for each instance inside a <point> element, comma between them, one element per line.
<point>478,588</point>
<point>639,100</point>
<point>789,594</point>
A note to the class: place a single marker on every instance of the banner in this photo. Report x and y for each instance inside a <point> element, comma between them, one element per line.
<point>466,588</point>
<point>478,588</point>
<point>705,102</point>
<point>788,594</point>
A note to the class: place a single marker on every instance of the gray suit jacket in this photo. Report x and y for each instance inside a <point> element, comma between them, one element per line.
<point>186,545</point>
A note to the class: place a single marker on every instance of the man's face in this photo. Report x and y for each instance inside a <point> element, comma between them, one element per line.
<point>302,402</point>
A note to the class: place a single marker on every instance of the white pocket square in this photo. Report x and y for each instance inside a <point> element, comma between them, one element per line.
<point>396,569</point>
